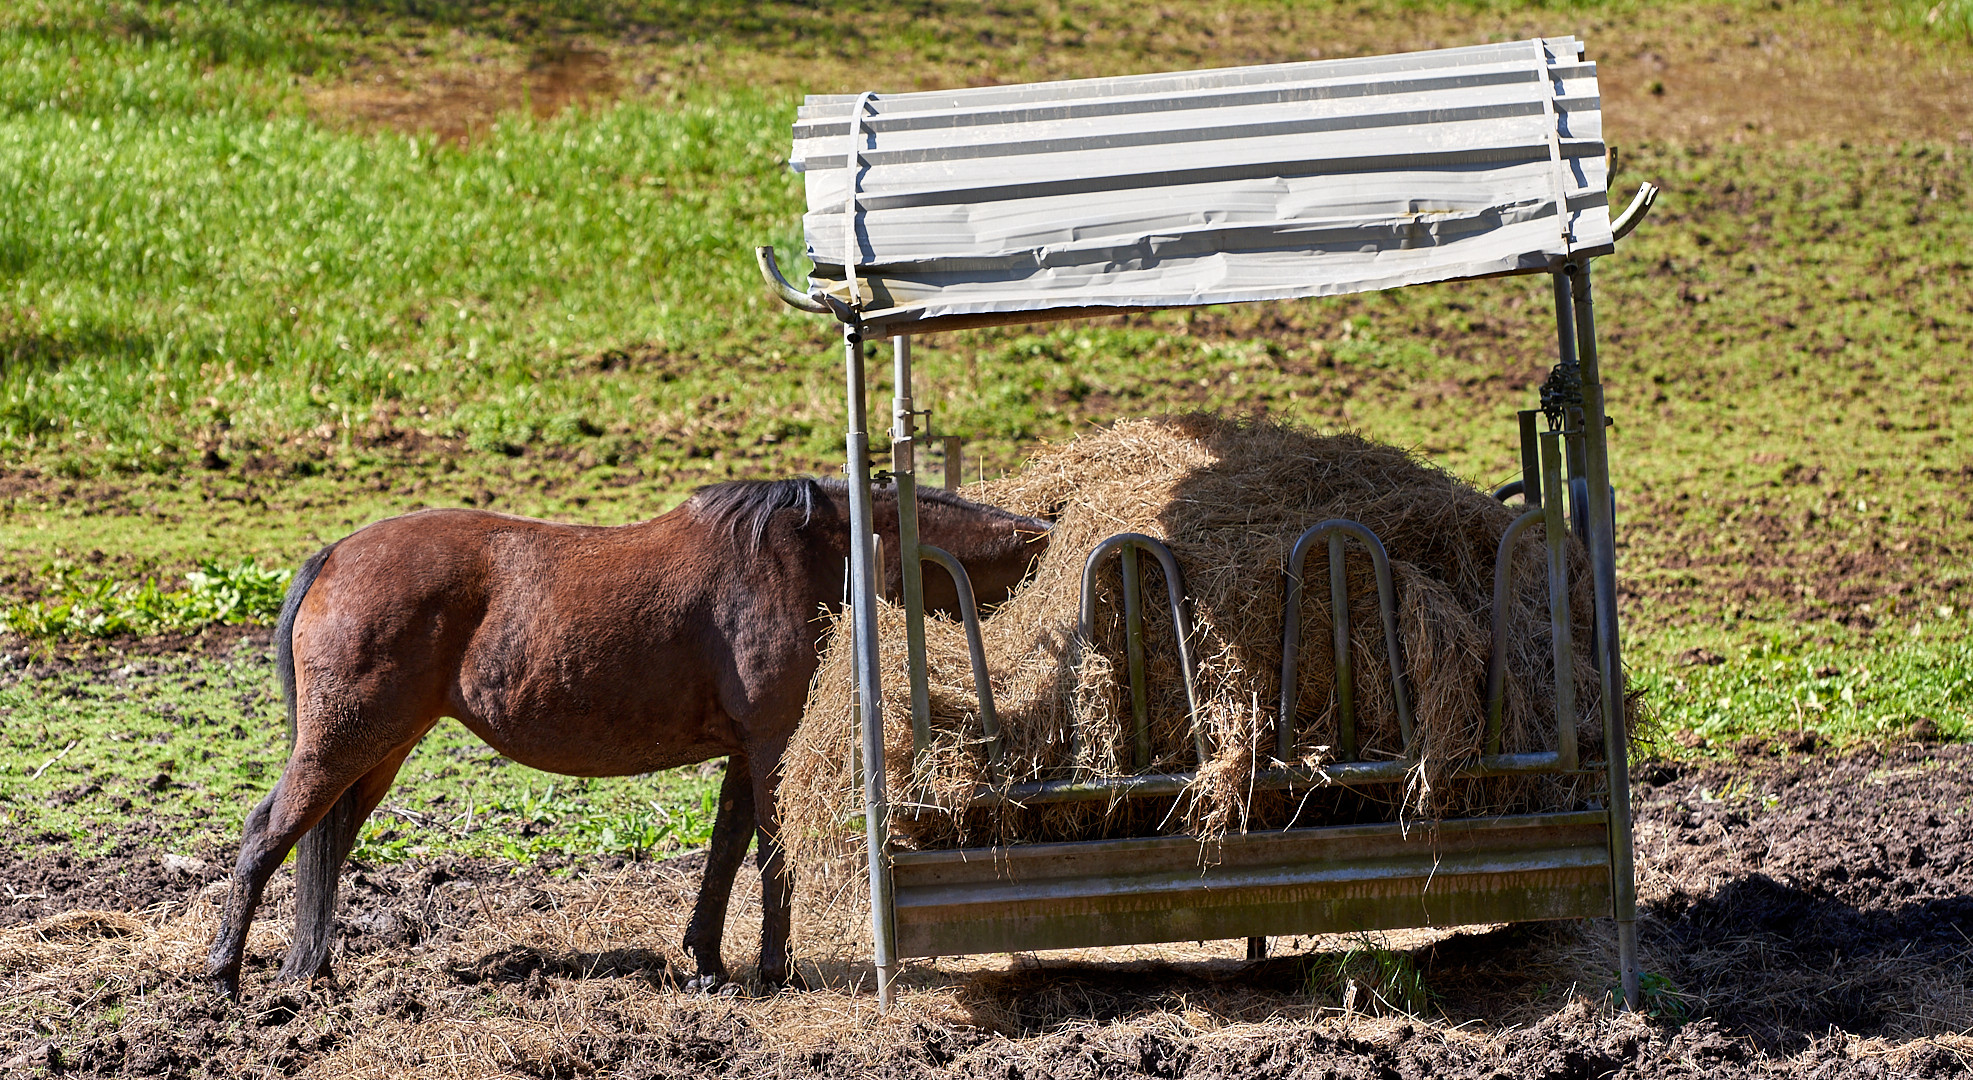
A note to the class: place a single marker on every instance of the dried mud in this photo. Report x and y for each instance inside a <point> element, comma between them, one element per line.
<point>1804,914</point>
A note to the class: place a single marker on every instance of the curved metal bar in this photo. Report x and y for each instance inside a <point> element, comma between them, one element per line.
<point>1503,583</point>
<point>1338,773</point>
<point>1181,616</point>
<point>1510,489</point>
<point>1291,632</point>
<point>1640,205</point>
<point>791,296</point>
<point>969,614</point>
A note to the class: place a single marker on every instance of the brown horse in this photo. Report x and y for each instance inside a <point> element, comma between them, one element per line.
<point>582,650</point>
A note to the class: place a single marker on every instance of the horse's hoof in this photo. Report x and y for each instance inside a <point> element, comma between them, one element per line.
<point>784,980</point>
<point>714,982</point>
<point>227,985</point>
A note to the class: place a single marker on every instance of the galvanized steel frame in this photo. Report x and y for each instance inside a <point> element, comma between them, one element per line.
<point>1055,895</point>
<point>1507,890</point>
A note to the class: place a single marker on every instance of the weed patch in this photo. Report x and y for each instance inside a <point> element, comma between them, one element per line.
<point>74,605</point>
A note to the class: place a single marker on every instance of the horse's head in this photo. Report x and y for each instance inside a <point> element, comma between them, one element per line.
<point>997,547</point>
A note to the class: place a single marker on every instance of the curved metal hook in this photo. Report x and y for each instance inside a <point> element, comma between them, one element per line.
<point>1291,632</point>
<point>1640,205</point>
<point>1503,582</point>
<point>791,296</point>
<point>969,614</point>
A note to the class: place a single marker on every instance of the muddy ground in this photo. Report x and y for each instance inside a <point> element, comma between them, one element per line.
<point>1805,914</point>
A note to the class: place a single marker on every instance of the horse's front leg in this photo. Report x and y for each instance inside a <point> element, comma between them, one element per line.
<point>731,831</point>
<point>777,884</point>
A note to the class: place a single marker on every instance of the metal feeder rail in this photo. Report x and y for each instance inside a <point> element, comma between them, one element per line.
<point>951,209</point>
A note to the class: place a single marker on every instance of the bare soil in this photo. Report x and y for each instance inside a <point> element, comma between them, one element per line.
<point>1804,914</point>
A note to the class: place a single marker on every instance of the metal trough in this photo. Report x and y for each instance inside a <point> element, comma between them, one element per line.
<point>1299,881</point>
<point>950,209</point>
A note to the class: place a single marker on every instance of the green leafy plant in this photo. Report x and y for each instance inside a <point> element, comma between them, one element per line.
<point>1662,999</point>
<point>76,606</point>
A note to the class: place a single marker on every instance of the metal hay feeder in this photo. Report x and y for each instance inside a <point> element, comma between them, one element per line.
<point>952,209</point>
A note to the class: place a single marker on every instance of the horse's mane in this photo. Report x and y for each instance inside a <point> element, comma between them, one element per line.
<point>747,505</point>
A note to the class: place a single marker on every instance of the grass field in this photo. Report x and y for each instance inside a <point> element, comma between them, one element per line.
<point>269,271</point>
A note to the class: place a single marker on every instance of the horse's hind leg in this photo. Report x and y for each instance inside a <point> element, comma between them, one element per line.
<point>308,788</point>
<point>249,881</point>
<point>318,866</point>
<point>731,831</point>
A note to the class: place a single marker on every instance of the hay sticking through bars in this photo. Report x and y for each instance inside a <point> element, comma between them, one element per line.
<point>1229,498</point>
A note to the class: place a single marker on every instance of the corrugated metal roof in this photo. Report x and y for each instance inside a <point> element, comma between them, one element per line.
<point>1018,203</point>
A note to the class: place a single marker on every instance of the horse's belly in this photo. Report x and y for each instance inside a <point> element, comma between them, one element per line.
<point>602,734</point>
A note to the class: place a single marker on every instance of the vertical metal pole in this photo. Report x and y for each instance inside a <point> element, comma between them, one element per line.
<point>1565,322</point>
<point>1560,628</point>
<point>1140,703</point>
<point>870,701</point>
<point>1339,631</point>
<point>903,470</point>
<point>955,465</point>
<point>1285,734</point>
<point>1574,456</point>
<point>1603,570</point>
<point>1530,458</point>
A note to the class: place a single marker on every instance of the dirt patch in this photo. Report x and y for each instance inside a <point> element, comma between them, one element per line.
<point>1804,915</point>
<point>1685,71</point>
<point>1804,551</point>
<point>458,100</point>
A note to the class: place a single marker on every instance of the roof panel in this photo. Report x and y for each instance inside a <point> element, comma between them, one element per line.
<point>1015,203</point>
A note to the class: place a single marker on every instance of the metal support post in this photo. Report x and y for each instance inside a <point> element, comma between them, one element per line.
<point>1339,631</point>
<point>1603,571</point>
<point>1140,701</point>
<point>870,702</point>
<point>903,471</point>
<point>1530,458</point>
<point>1560,628</point>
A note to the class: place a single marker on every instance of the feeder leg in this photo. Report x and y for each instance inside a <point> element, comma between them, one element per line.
<point>904,470</point>
<point>1603,571</point>
<point>1256,948</point>
<point>870,701</point>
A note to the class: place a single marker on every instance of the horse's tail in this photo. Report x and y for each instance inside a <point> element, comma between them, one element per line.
<point>319,854</point>
<point>284,631</point>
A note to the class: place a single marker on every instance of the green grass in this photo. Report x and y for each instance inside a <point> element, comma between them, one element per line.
<point>1847,693</point>
<point>237,323</point>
